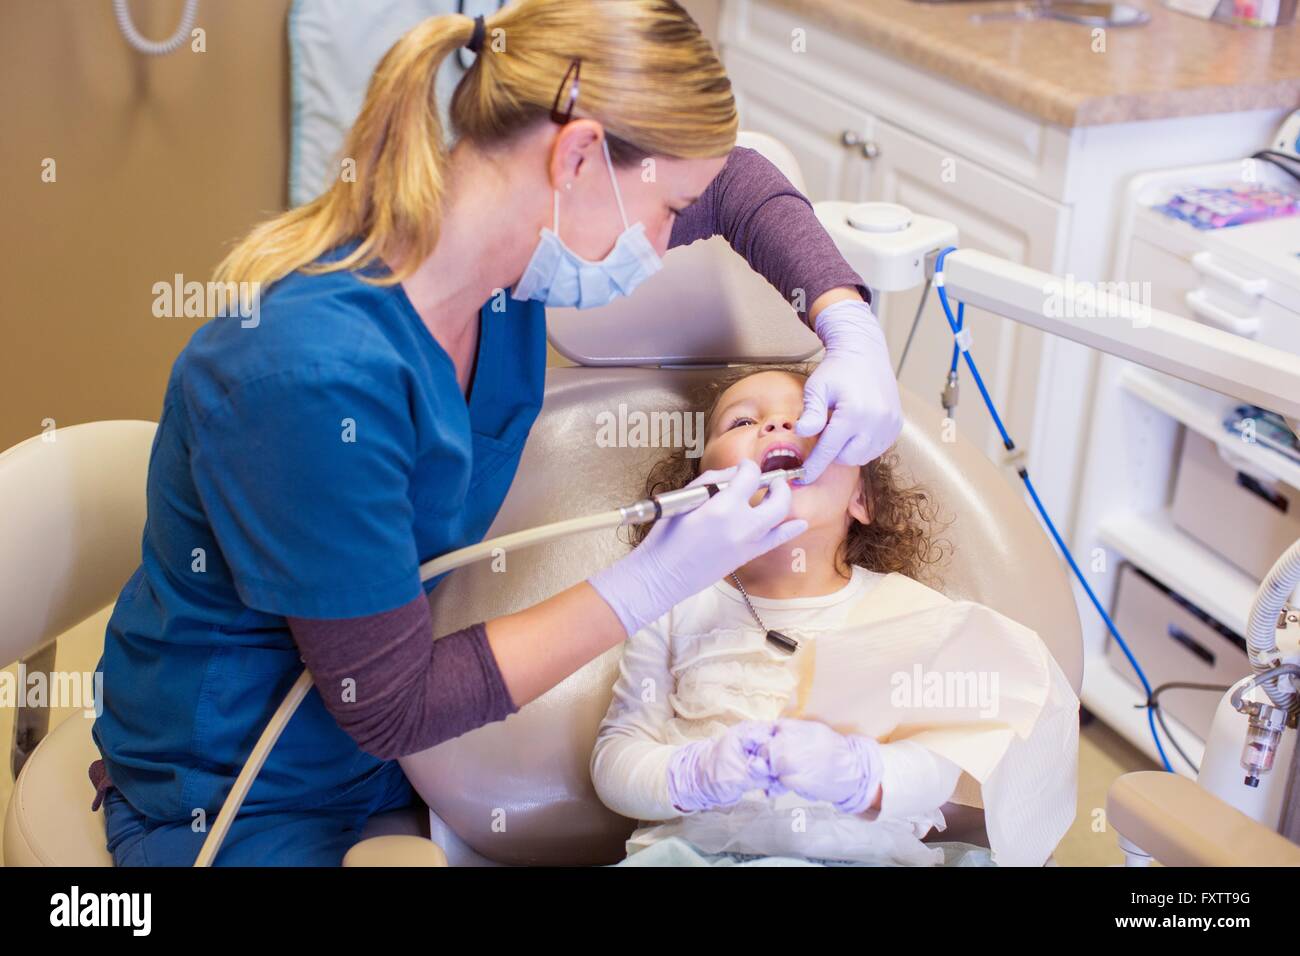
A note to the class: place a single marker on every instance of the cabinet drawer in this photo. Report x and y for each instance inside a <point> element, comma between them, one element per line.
<point>1174,641</point>
<point>1248,518</point>
<point>992,215</point>
<point>1196,284</point>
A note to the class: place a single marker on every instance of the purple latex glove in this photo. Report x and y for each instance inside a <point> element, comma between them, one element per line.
<point>719,771</point>
<point>855,385</point>
<point>820,764</point>
<point>684,554</point>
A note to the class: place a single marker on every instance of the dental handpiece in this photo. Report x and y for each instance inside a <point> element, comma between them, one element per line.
<point>682,500</point>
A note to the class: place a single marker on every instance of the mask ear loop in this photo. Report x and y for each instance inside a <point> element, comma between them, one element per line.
<point>609,164</point>
<point>618,196</point>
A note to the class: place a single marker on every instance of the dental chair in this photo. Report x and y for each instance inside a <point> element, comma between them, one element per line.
<point>517,791</point>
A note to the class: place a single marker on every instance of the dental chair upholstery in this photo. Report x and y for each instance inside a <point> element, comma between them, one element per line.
<point>517,791</point>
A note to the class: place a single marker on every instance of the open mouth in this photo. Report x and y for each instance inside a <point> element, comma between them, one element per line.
<point>780,457</point>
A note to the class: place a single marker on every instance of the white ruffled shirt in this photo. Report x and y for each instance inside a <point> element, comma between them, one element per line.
<point>707,665</point>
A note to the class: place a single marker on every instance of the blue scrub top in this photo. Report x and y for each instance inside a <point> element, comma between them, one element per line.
<point>303,467</point>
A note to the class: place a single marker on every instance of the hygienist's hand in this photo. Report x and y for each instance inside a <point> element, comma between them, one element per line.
<point>719,771</point>
<point>818,763</point>
<point>855,386</point>
<point>684,554</point>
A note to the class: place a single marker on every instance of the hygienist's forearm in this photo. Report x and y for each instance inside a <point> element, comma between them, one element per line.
<point>830,297</point>
<point>394,689</point>
<point>538,647</point>
<point>774,227</point>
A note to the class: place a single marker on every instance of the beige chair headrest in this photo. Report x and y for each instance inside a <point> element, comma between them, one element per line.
<point>74,506</point>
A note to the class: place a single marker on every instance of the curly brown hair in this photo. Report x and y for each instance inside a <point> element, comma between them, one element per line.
<point>904,516</point>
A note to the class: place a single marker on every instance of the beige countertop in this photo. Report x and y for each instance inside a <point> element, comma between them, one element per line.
<point>1175,65</point>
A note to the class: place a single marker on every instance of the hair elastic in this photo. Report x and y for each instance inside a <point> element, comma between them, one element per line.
<point>475,43</point>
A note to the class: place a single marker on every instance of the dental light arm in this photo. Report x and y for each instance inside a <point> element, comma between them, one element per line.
<point>1197,353</point>
<point>893,249</point>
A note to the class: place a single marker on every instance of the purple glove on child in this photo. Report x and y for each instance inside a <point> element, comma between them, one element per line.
<point>720,770</point>
<point>805,756</point>
<point>820,764</point>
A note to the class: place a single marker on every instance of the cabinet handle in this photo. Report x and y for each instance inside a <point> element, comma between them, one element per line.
<point>1199,304</point>
<point>1203,262</point>
<point>850,138</point>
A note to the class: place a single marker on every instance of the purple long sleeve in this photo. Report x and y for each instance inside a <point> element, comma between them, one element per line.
<point>394,689</point>
<point>772,225</point>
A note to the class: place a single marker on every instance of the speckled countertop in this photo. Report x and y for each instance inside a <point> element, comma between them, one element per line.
<point>1175,65</point>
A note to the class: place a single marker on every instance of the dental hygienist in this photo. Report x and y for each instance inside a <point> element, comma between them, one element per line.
<point>373,418</point>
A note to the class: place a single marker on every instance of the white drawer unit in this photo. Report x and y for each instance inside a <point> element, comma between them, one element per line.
<point>1223,502</point>
<point>1241,279</point>
<point>1169,487</point>
<point>1174,641</point>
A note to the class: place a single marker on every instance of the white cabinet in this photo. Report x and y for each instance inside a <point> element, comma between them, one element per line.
<point>826,135</point>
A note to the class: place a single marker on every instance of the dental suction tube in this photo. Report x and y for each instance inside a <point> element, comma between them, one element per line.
<point>682,500</point>
<point>666,505</point>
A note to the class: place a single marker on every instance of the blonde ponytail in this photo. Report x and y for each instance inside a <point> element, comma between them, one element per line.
<point>648,76</point>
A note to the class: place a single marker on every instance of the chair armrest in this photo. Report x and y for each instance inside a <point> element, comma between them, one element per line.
<point>396,850</point>
<point>1180,824</point>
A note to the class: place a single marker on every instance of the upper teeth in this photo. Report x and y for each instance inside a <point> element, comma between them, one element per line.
<point>780,453</point>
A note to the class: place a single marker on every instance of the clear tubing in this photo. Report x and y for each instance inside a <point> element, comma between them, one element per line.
<point>519,539</point>
<point>1261,631</point>
<point>235,799</point>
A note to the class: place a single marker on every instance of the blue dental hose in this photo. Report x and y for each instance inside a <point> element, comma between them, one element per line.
<point>961,348</point>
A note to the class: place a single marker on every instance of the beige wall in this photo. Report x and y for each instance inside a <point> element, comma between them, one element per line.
<point>161,161</point>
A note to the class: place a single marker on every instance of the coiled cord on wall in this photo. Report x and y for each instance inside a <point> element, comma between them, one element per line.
<point>155,47</point>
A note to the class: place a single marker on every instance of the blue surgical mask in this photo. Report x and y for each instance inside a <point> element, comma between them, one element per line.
<point>561,278</point>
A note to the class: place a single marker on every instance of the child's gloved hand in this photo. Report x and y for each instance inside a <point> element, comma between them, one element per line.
<point>819,764</point>
<point>719,771</point>
<point>684,554</point>
<point>855,386</point>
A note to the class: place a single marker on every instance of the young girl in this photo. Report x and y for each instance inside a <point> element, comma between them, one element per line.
<point>706,742</point>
